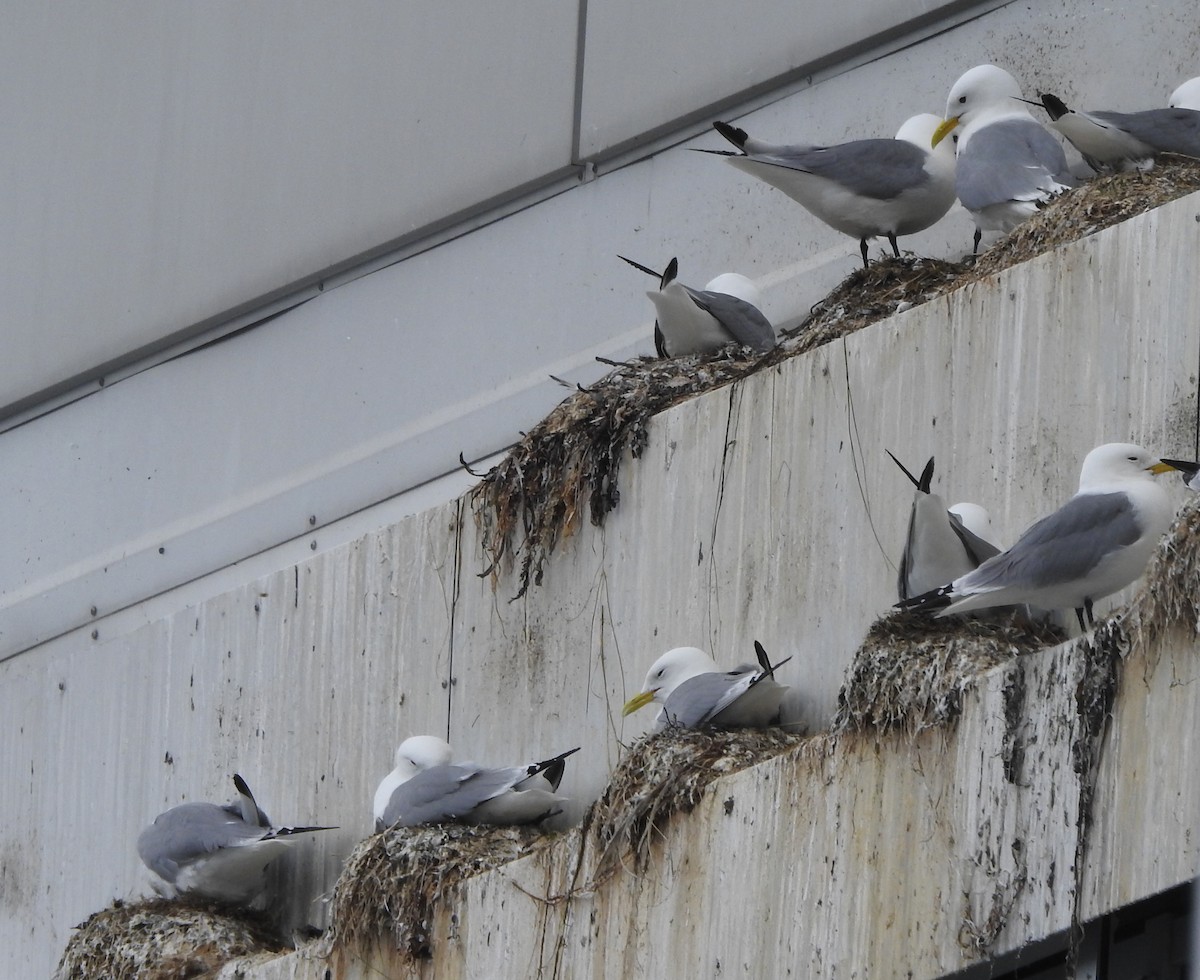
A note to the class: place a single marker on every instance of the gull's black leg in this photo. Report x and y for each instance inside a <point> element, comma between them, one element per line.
<point>895,247</point>
<point>975,248</point>
<point>862,247</point>
<point>1079,616</point>
<point>1087,605</point>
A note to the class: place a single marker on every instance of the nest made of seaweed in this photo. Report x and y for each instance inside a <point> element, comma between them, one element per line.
<point>162,939</point>
<point>1170,593</point>
<point>667,773</point>
<point>536,496</point>
<point>394,881</point>
<point>911,671</point>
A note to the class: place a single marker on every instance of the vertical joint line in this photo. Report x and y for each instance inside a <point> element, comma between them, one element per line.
<point>577,113</point>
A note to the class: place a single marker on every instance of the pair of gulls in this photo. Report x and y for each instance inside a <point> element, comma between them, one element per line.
<point>1097,543</point>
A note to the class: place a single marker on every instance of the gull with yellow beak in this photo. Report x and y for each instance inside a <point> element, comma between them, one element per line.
<point>693,692</point>
<point>1097,543</point>
<point>1009,166</point>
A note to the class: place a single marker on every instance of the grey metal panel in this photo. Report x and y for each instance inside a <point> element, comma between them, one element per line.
<point>164,163</point>
<point>647,65</point>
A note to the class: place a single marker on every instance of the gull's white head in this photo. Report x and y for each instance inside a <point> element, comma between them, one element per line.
<point>1117,463</point>
<point>735,284</point>
<point>983,92</point>
<point>1187,96</point>
<point>975,519</point>
<point>919,130</point>
<point>668,672</point>
<point>421,752</point>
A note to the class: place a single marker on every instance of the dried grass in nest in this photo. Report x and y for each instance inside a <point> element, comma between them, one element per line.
<point>394,881</point>
<point>1170,593</point>
<point>1101,202</point>
<point>912,670</point>
<point>162,939</point>
<point>664,774</point>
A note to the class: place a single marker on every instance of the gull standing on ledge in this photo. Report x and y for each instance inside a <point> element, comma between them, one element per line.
<point>427,787</point>
<point>693,692</point>
<point>1125,140</point>
<point>694,321</point>
<point>214,851</point>
<point>1009,166</point>
<point>1094,545</point>
<point>863,188</point>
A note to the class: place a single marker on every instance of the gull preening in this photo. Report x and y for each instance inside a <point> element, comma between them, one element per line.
<point>1097,543</point>
<point>692,691</point>
<point>427,787</point>
<point>942,543</point>
<point>864,188</point>
<point>215,851</point>
<point>1008,164</point>
<point>694,321</point>
<point>1125,140</point>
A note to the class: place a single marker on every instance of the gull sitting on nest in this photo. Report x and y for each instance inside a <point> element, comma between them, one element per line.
<point>693,692</point>
<point>214,851</point>
<point>426,787</point>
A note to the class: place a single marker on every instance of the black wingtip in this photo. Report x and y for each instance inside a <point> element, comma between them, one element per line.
<point>1054,105</point>
<point>669,273</point>
<point>927,602</point>
<point>641,268</point>
<point>768,669</point>
<point>1186,467</point>
<point>926,474</point>
<point>240,785</point>
<point>735,136</point>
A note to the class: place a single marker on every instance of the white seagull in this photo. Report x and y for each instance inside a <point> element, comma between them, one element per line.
<point>863,188</point>
<point>694,692</point>
<point>1187,96</point>
<point>1094,545</point>
<point>693,321</point>
<point>426,787</point>
<point>213,851</point>
<point>1008,164</point>
<point>941,545</point>
<point>1125,140</point>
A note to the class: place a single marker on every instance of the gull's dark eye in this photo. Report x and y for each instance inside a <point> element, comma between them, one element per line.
<point>962,99</point>
<point>1133,459</point>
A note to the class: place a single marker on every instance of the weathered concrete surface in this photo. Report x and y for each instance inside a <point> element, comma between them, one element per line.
<point>766,510</point>
<point>865,856</point>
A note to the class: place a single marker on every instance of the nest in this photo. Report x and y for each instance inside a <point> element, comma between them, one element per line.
<point>667,773</point>
<point>911,671</point>
<point>1170,594</point>
<point>535,498</point>
<point>394,881</point>
<point>162,939</point>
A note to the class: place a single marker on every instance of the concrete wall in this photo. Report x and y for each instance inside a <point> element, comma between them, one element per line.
<point>373,386</point>
<point>304,679</point>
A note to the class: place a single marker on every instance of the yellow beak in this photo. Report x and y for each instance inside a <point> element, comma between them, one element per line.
<point>1161,467</point>
<point>944,127</point>
<point>637,701</point>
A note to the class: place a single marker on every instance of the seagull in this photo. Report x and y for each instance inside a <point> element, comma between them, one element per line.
<point>1187,96</point>
<point>692,321</point>
<point>426,787</point>
<point>213,851</point>
<point>1125,140</point>
<point>1008,165</point>
<point>863,188</point>
<point>1094,545</point>
<point>693,692</point>
<point>1190,471</point>
<point>940,545</point>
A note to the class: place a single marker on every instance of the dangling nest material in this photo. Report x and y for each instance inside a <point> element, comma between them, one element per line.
<point>911,671</point>
<point>536,496</point>
<point>1103,201</point>
<point>394,881</point>
<point>1170,594</point>
<point>664,774</point>
<point>163,940</point>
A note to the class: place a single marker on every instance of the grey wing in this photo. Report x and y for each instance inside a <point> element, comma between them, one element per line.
<point>877,168</point>
<point>190,831</point>
<point>698,699</point>
<point>976,548</point>
<point>1167,130</point>
<point>1013,160</point>
<point>744,320</point>
<point>1064,546</point>
<point>444,793</point>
